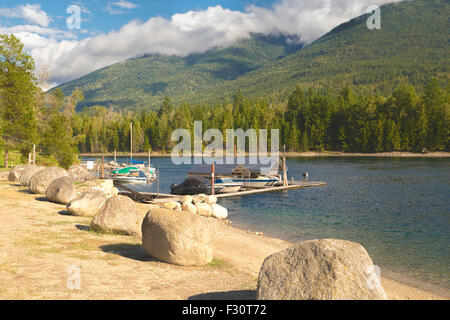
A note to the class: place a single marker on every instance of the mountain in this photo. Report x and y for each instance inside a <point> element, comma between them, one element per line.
<point>411,45</point>
<point>145,81</point>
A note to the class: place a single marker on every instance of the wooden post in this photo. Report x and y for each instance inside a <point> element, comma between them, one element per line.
<point>34,154</point>
<point>212,178</point>
<point>157,183</point>
<point>103,166</point>
<point>235,151</point>
<point>29,158</point>
<point>115,155</point>
<point>285,179</point>
<point>149,158</point>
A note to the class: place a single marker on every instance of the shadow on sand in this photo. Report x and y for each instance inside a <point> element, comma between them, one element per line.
<point>25,191</point>
<point>226,295</point>
<point>130,251</point>
<point>66,213</point>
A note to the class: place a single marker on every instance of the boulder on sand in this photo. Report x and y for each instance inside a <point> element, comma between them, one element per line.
<point>15,172</point>
<point>61,190</point>
<point>327,269</point>
<point>173,205</point>
<point>87,204</point>
<point>219,212</point>
<point>178,238</point>
<point>41,180</point>
<point>187,206</point>
<point>120,215</point>
<point>210,199</point>
<point>186,199</point>
<point>199,198</point>
<point>27,173</point>
<point>204,209</point>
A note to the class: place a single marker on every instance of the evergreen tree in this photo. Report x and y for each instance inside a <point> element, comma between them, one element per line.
<point>18,96</point>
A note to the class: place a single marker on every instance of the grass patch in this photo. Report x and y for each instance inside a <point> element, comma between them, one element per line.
<point>51,250</point>
<point>87,245</point>
<point>58,223</point>
<point>218,263</point>
<point>79,256</point>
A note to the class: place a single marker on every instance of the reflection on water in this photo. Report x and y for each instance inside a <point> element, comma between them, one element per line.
<point>398,209</point>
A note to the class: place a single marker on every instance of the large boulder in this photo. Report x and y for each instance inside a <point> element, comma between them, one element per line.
<point>120,215</point>
<point>87,204</point>
<point>326,269</point>
<point>15,172</point>
<point>61,190</point>
<point>41,180</point>
<point>181,238</point>
<point>29,172</point>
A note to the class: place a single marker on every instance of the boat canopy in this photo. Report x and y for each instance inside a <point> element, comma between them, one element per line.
<point>243,170</point>
<point>124,170</point>
<point>137,162</point>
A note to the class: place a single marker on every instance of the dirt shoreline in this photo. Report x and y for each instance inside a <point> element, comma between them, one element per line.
<point>300,154</point>
<point>39,241</point>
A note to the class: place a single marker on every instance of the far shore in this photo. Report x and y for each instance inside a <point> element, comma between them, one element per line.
<point>395,154</point>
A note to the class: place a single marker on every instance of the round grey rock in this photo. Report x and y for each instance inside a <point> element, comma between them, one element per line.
<point>120,215</point>
<point>41,180</point>
<point>87,204</point>
<point>327,269</point>
<point>177,237</point>
<point>61,190</point>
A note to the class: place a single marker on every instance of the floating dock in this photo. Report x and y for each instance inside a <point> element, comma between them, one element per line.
<point>152,197</point>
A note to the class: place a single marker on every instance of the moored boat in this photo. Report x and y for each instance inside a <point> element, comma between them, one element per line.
<point>134,174</point>
<point>194,185</point>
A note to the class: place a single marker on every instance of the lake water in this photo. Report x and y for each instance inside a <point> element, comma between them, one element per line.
<point>397,208</point>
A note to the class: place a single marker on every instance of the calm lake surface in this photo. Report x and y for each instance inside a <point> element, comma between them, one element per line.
<point>397,208</point>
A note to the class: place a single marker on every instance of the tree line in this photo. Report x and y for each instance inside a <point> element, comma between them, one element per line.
<point>311,120</point>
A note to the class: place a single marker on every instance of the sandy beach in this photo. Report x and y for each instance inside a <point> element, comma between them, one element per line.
<point>39,241</point>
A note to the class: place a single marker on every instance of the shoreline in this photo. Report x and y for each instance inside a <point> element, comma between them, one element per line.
<point>394,154</point>
<point>57,239</point>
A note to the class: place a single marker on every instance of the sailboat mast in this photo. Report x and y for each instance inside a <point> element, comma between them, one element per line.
<point>131,140</point>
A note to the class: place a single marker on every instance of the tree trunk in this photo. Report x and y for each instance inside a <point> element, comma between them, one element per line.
<point>6,158</point>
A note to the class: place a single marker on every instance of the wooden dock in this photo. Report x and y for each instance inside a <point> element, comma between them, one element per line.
<point>152,197</point>
<point>295,185</point>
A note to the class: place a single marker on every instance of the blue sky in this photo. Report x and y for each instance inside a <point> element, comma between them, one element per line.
<point>114,30</point>
<point>103,16</point>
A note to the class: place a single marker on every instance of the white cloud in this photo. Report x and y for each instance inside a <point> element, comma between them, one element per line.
<point>185,33</point>
<point>124,4</point>
<point>119,7</point>
<point>30,12</point>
